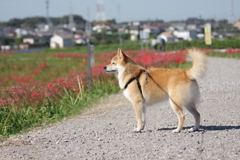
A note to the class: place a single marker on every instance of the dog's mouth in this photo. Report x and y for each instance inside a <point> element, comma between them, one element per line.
<point>111,71</point>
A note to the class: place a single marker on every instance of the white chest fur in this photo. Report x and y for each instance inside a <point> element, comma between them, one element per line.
<point>126,94</point>
<point>120,77</point>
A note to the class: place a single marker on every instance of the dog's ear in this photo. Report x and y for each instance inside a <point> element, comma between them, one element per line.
<point>120,54</point>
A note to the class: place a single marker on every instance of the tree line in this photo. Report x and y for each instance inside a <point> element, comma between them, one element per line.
<point>32,22</point>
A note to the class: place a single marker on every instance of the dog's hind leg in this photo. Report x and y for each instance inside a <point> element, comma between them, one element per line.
<point>140,115</point>
<point>192,109</point>
<point>178,110</point>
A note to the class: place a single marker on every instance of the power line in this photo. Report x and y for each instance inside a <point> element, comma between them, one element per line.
<point>231,11</point>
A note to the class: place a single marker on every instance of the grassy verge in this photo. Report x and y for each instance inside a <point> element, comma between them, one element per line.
<point>14,120</point>
<point>136,45</point>
<point>132,45</point>
<point>225,55</point>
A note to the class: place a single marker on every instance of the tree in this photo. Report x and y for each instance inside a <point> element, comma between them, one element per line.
<point>32,22</point>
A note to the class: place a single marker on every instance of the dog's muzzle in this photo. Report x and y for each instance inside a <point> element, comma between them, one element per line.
<point>108,71</point>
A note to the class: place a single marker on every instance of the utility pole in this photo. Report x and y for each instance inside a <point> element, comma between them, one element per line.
<point>71,24</point>
<point>231,12</point>
<point>49,23</point>
<point>119,32</point>
<point>88,32</point>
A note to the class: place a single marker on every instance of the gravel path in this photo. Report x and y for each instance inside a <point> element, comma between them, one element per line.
<point>106,130</point>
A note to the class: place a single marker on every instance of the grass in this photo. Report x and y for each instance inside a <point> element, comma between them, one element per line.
<point>225,55</point>
<point>126,45</point>
<point>15,120</point>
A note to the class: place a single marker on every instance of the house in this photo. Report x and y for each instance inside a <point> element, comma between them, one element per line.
<point>100,28</point>
<point>134,32</point>
<point>154,29</point>
<point>2,34</point>
<point>21,32</point>
<point>36,41</point>
<point>237,24</point>
<point>80,39</point>
<point>182,35</point>
<point>61,41</point>
<point>24,45</point>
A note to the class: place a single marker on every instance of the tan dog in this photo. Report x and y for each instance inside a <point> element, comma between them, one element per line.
<point>149,86</point>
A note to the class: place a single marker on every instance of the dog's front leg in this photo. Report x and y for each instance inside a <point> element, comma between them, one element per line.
<point>140,115</point>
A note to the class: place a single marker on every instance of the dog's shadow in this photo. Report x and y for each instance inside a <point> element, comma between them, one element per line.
<point>207,128</point>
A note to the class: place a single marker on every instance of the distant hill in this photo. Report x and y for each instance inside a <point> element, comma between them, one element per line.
<point>33,21</point>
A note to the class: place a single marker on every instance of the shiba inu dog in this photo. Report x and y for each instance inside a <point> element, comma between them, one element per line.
<point>143,87</point>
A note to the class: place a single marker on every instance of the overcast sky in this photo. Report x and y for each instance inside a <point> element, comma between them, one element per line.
<point>122,10</point>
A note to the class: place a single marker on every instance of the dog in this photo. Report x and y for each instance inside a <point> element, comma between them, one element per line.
<point>144,87</point>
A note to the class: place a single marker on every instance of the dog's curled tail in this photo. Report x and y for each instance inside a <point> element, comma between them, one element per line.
<point>198,63</point>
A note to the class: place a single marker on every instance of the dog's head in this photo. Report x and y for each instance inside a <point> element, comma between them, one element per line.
<point>118,62</point>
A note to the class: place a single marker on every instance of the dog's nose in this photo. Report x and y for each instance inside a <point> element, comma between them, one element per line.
<point>105,67</point>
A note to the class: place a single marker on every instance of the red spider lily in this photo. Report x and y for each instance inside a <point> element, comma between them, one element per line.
<point>43,65</point>
<point>232,50</point>
<point>97,70</point>
<point>76,75</point>
<point>60,80</point>
<point>24,79</point>
<point>150,58</point>
<point>69,85</point>
<point>71,55</point>
<point>50,85</point>
<point>36,71</point>
<point>5,102</point>
<point>77,91</point>
<point>37,94</point>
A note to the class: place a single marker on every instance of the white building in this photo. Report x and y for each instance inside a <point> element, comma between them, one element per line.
<point>21,32</point>
<point>59,41</point>
<point>185,35</point>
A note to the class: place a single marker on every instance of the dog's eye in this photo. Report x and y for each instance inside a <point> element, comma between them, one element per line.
<point>113,63</point>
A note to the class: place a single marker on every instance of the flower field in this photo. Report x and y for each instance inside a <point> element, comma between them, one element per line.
<point>41,88</point>
<point>29,79</point>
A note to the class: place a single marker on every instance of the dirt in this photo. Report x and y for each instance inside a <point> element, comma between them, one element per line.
<point>106,130</point>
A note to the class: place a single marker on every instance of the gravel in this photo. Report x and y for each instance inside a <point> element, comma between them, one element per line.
<point>105,131</point>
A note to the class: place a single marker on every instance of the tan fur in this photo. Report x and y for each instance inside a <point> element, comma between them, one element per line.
<point>178,85</point>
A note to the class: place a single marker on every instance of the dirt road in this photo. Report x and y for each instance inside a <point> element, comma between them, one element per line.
<point>106,131</point>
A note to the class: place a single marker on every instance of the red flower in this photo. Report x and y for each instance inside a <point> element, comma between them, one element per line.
<point>43,65</point>
<point>50,85</point>
<point>34,94</point>
<point>36,71</point>
<point>68,85</point>
<point>77,91</point>
<point>61,80</point>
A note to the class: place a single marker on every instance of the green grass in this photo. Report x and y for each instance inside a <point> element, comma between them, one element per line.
<point>126,45</point>
<point>136,45</point>
<point>225,55</point>
<point>14,120</point>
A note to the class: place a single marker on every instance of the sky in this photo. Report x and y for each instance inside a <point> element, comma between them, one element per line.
<point>122,10</point>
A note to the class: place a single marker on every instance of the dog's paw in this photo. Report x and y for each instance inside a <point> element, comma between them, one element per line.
<point>193,129</point>
<point>136,130</point>
<point>176,131</point>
